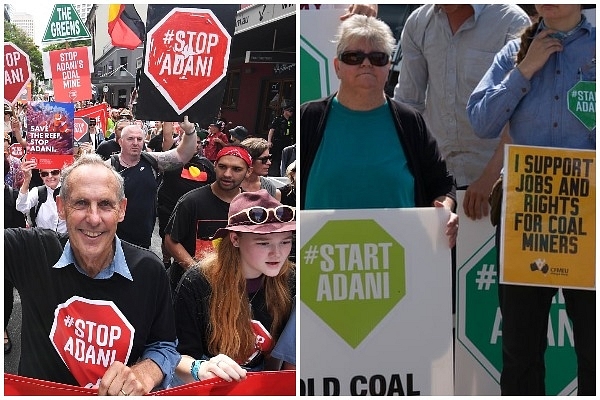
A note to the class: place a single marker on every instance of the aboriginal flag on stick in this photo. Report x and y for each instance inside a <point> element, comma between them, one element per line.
<point>125,26</point>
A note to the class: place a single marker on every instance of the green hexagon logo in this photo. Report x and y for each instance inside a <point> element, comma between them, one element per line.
<point>352,270</point>
<point>582,103</point>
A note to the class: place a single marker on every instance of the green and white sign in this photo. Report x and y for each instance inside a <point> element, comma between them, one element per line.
<point>65,25</point>
<point>360,270</point>
<point>479,321</point>
<point>317,51</point>
<point>582,102</point>
<point>375,293</point>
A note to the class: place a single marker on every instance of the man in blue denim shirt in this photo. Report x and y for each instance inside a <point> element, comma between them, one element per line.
<point>527,87</point>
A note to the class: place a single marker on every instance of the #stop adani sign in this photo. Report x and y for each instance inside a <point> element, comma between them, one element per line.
<point>89,336</point>
<point>17,72</point>
<point>187,55</point>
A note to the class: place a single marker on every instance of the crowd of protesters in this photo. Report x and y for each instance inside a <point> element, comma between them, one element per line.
<point>91,239</point>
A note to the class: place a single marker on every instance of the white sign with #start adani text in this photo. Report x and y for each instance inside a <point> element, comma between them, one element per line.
<point>376,303</point>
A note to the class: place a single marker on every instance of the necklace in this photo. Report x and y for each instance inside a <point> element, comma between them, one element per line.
<point>251,284</point>
<point>125,164</point>
<point>255,293</point>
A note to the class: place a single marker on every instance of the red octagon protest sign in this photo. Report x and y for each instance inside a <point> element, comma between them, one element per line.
<point>187,54</point>
<point>17,72</point>
<point>80,129</point>
<point>89,335</point>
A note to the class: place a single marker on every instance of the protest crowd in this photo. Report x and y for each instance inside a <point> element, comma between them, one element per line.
<point>218,301</point>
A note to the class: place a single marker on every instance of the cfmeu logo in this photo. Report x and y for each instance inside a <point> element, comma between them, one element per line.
<point>353,274</point>
<point>539,265</point>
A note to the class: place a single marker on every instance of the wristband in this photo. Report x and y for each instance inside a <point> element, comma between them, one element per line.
<point>195,369</point>
<point>189,134</point>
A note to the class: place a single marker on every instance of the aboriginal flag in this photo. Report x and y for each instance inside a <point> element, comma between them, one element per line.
<point>125,26</point>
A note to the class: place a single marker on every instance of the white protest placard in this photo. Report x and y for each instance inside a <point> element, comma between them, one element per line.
<point>375,309</point>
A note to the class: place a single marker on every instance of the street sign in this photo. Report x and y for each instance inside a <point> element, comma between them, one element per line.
<point>187,55</point>
<point>89,335</point>
<point>65,25</point>
<point>17,72</point>
<point>282,57</point>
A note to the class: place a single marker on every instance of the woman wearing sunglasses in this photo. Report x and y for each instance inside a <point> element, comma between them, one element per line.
<point>262,159</point>
<point>366,149</point>
<point>42,213</point>
<point>231,308</point>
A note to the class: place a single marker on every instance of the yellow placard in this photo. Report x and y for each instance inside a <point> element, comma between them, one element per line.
<point>549,217</point>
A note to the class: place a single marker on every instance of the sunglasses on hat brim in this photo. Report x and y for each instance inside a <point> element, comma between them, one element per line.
<point>260,215</point>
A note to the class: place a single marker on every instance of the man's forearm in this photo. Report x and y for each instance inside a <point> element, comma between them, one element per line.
<point>148,373</point>
<point>179,253</point>
<point>187,148</point>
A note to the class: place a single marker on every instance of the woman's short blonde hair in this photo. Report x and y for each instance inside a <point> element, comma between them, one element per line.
<point>360,27</point>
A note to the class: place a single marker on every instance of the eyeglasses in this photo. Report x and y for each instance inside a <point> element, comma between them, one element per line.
<point>54,172</point>
<point>259,215</point>
<point>265,159</point>
<point>376,58</point>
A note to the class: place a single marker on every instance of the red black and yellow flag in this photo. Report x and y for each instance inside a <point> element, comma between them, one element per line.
<point>125,27</point>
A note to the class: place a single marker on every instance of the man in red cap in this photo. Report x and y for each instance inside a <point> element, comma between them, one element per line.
<point>200,212</point>
<point>215,140</point>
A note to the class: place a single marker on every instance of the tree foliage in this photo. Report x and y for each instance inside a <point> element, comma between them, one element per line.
<point>68,45</point>
<point>19,38</point>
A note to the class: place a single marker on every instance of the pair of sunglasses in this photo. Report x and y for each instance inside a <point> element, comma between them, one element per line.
<point>54,172</point>
<point>376,58</point>
<point>259,215</point>
<point>265,159</point>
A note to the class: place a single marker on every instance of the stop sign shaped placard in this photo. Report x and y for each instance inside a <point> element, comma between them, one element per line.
<point>80,128</point>
<point>186,55</point>
<point>89,335</point>
<point>17,72</point>
<point>16,150</point>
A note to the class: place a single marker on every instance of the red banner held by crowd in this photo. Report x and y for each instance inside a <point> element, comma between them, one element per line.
<point>99,112</point>
<point>270,383</point>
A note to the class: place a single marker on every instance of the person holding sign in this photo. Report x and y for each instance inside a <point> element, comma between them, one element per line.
<point>97,311</point>
<point>234,304</point>
<point>39,202</point>
<point>529,86</point>
<point>410,170</point>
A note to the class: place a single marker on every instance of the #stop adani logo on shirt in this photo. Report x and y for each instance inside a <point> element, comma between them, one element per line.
<point>89,335</point>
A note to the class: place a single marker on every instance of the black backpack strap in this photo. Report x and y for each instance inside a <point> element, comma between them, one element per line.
<point>153,162</point>
<point>42,197</point>
<point>114,161</point>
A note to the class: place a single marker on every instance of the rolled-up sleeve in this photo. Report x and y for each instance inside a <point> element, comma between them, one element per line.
<point>166,356</point>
